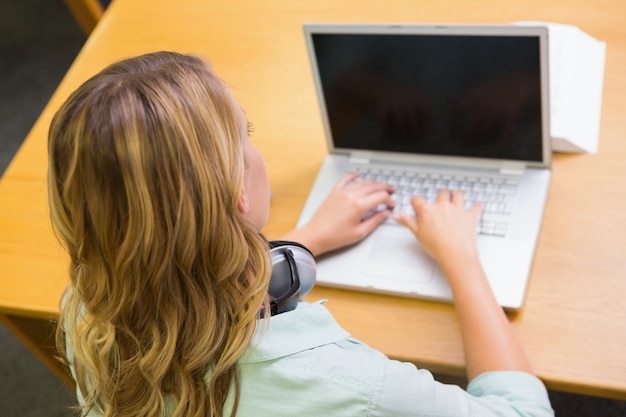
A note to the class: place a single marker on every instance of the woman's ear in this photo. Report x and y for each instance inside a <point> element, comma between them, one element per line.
<point>243,205</point>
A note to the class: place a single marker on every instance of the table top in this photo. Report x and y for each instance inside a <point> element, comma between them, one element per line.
<point>574,321</point>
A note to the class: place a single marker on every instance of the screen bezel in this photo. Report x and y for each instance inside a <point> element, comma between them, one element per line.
<point>541,32</point>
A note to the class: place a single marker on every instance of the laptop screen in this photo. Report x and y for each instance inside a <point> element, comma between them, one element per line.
<point>450,95</point>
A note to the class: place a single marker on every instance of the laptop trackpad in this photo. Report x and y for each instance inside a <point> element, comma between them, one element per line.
<point>395,254</point>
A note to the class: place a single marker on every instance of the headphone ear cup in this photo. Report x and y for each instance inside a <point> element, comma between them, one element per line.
<point>284,287</point>
<point>293,275</point>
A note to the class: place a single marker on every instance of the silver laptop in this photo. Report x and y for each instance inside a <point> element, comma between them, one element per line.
<point>426,107</point>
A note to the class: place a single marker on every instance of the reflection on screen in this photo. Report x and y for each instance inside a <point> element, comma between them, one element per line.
<point>444,95</point>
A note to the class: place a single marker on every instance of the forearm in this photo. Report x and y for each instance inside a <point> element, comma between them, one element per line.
<point>305,237</point>
<point>489,341</point>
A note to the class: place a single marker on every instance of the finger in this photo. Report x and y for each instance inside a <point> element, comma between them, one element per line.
<point>346,179</point>
<point>372,222</point>
<point>364,188</point>
<point>418,204</point>
<point>458,198</point>
<point>444,195</point>
<point>407,220</point>
<point>377,199</point>
<point>476,209</point>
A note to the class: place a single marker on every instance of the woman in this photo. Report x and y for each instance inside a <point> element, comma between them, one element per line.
<point>159,197</point>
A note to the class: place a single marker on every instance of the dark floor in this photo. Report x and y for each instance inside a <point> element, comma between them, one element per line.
<point>38,41</point>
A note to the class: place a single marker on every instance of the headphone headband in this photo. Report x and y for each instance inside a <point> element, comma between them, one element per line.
<point>279,243</point>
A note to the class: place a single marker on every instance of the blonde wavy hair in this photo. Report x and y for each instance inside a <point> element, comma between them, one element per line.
<point>146,167</point>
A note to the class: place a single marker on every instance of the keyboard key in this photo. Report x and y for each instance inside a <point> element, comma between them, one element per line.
<point>497,194</point>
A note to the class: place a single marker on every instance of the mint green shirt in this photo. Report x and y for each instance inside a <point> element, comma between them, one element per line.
<point>302,363</point>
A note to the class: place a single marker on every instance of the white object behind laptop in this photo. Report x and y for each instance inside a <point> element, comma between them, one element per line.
<point>576,86</point>
<point>386,94</point>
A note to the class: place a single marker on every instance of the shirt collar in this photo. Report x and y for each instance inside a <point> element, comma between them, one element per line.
<point>306,327</point>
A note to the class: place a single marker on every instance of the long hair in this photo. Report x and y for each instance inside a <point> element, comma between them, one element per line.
<point>146,167</point>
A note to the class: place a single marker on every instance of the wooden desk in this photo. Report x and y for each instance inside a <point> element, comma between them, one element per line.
<point>574,320</point>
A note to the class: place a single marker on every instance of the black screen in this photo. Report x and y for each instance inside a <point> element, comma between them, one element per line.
<point>450,95</point>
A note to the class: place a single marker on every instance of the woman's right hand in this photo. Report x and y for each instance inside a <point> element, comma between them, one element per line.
<point>445,229</point>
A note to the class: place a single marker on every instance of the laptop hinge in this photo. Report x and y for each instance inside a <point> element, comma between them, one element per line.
<point>358,159</point>
<point>511,171</point>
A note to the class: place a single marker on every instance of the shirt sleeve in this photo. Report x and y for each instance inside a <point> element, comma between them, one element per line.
<point>403,390</point>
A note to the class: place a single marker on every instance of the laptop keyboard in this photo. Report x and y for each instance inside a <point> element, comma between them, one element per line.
<point>496,193</point>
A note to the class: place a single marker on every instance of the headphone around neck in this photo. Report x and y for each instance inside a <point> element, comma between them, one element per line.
<point>293,275</point>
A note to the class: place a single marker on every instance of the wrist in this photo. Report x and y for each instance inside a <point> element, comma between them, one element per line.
<point>458,262</point>
<point>307,237</point>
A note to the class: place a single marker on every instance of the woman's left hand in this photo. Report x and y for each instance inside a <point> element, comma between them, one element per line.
<point>352,210</point>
